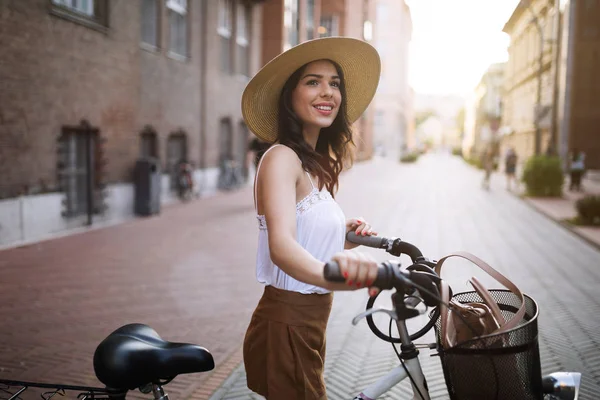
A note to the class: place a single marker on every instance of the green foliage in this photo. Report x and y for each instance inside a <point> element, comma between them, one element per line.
<point>409,157</point>
<point>543,176</point>
<point>475,161</point>
<point>588,209</point>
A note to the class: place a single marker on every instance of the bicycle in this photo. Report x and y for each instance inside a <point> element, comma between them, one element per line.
<point>132,357</point>
<point>417,284</point>
<point>230,176</point>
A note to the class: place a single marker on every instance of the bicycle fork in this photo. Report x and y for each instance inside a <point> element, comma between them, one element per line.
<point>410,355</point>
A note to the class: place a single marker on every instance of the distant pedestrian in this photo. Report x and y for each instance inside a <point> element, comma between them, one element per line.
<point>487,163</point>
<point>576,169</point>
<point>510,167</point>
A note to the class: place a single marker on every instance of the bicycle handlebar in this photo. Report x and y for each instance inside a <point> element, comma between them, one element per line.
<point>394,246</point>
<point>388,276</point>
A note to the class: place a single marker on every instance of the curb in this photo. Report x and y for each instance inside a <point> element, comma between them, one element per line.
<point>564,224</point>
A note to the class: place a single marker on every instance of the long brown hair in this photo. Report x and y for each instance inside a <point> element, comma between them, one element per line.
<point>331,153</point>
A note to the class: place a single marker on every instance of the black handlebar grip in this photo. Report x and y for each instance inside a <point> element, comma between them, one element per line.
<point>332,272</point>
<point>369,241</point>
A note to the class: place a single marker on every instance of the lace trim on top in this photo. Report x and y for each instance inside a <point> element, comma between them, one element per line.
<point>302,206</point>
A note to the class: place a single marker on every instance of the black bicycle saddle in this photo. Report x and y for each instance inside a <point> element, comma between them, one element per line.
<point>135,355</point>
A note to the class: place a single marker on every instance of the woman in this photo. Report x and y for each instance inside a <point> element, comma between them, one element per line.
<point>304,101</point>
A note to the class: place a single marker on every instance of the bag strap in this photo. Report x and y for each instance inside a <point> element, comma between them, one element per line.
<point>444,311</point>
<point>514,321</point>
<point>488,300</point>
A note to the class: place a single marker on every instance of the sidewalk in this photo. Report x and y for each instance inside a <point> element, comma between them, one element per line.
<point>563,208</point>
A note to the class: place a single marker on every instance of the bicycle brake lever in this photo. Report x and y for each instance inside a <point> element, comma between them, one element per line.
<point>372,311</point>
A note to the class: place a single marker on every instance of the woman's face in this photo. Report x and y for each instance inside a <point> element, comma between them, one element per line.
<point>316,99</point>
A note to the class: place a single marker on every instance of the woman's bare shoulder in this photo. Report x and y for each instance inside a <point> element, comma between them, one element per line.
<point>282,157</point>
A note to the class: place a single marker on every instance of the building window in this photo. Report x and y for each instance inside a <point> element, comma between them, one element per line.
<point>243,39</point>
<point>226,139</point>
<point>78,163</point>
<point>224,29</point>
<point>290,22</point>
<point>85,7</point>
<point>329,26</point>
<point>310,19</point>
<point>82,11</point>
<point>148,143</point>
<point>243,148</point>
<point>150,22</point>
<point>176,153</point>
<point>178,35</point>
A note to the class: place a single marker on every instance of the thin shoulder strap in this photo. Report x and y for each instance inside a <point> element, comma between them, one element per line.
<point>257,169</point>
<point>310,179</point>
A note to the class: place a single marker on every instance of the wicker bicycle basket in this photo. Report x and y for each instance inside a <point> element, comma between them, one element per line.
<point>503,366</point>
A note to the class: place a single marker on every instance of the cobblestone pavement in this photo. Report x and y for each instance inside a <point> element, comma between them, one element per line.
<point>438,205</point>
<point>189,273</point>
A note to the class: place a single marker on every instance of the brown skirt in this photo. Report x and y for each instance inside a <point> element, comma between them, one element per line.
<point>284,347</point>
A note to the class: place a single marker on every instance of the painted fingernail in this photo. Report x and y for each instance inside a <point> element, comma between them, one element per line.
<point>358,284</point>
<point>369,283</point>
<point>345,274</point>
<point>350,282</point>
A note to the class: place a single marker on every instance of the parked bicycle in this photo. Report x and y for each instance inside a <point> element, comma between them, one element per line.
<point>132,357</point>
<point>230,176</point>
<point>509,367</point>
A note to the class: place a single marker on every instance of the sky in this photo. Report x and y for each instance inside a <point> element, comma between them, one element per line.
<point>454,41</point>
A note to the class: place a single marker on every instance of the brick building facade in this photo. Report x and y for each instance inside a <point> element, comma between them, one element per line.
<point>158,78</point>
<point>87,87</point>
<point>579,87</point>
<point>570,92</point>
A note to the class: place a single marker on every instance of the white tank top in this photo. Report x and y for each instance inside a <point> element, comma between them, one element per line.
<point>320,230</point>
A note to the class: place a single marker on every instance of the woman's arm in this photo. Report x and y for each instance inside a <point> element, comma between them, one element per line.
<point>280,172</point>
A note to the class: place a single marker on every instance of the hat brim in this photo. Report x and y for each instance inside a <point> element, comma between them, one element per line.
<point>360,64</point>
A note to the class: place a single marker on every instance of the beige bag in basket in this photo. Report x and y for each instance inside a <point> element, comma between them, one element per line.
<point>483,318</point>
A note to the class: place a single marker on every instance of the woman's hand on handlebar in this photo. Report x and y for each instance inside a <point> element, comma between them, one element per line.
<point>360,227</point>
<point>359,270</point>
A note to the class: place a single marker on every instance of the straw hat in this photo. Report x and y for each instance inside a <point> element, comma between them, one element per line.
<point>358,60</point>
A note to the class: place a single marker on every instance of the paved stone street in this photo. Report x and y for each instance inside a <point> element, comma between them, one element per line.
<point>438,205</point>
<point>189,273</point>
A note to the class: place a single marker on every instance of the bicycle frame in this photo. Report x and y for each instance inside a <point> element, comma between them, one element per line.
<point>85,392</point>
<point>398,374</point>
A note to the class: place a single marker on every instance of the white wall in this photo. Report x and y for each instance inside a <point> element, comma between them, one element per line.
<point>28,219</point>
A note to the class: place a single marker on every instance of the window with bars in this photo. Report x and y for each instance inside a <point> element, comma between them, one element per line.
<point>176,153</point>
<point>82,11</point>
<point>148,143</point>
<point>226,139</point>
<point>178,31</point>
<point>243,39</point>
<point>150,22</point>
<point>225,29</point>
<point>79,169</point>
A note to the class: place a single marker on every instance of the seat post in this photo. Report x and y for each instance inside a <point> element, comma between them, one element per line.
<point>159,393</point>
